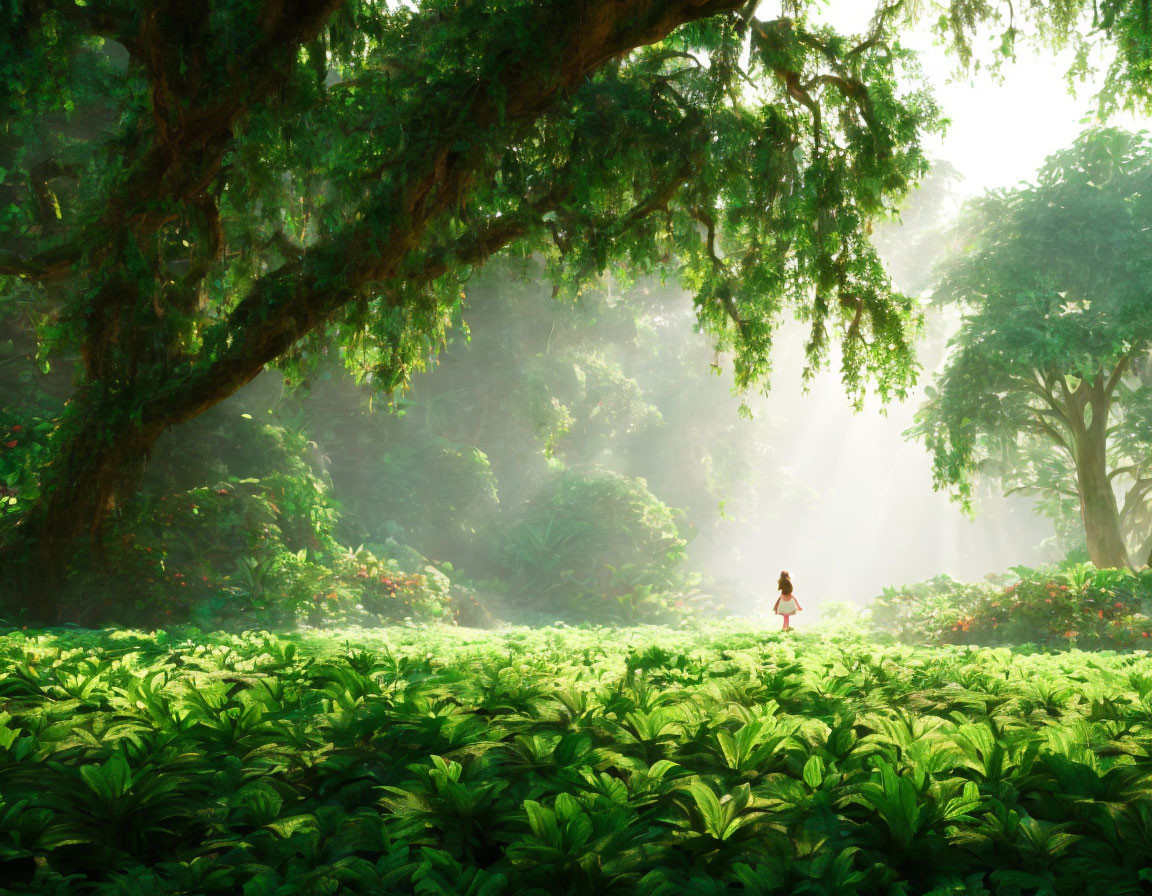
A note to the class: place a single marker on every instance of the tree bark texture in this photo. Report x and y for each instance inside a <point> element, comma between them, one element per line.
<point>1098,506</point>
<point>1099,509</point>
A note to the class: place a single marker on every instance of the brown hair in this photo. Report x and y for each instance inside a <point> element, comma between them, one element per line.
<point>785,583</point>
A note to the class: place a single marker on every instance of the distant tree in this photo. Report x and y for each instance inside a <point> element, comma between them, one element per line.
<point>1056,283</point>
<point>196,190</point>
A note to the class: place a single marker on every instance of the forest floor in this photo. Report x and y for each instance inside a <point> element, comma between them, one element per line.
<point>568,761</point>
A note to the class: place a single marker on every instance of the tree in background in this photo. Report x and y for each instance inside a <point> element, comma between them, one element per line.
<point>202,189</point>
<point>1055,281</point>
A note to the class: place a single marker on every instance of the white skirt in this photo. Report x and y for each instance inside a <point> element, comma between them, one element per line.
<point>786,607</point>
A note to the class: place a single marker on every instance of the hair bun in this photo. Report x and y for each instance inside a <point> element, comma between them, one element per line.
<point>785,582</point>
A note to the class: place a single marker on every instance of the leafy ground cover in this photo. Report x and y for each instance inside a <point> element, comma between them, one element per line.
<point>568,761</point>
<point>1075,605</point>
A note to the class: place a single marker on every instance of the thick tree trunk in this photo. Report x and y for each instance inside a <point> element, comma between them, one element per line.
<point>100,458</point>
<point>1098,505</point>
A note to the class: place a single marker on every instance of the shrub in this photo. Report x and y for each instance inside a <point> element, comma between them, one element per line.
<point>435,494</point>
<point>1077,605</point>
<point>919,612</point>
<point>596,547</point>
<point>254,547</point>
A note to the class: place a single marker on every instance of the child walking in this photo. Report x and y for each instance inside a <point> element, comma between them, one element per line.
<point>786,603</point>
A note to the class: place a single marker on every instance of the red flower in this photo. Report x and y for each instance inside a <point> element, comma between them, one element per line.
<point>221,491</point>
<point>11,444</point>
<point>1101,614</point>
<point>1118,605</point>
<point>17,428</point>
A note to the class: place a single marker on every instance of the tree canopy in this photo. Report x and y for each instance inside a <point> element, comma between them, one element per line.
<point>1054,280</point>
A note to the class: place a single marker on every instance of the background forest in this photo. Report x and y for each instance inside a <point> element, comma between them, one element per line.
<point>580,459</point>
<point>554,464</point>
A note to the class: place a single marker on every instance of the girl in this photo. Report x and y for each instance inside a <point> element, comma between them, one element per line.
<point>786,603</point>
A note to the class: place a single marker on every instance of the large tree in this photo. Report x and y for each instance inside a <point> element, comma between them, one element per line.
<point>1056,283</point>
<point>203,188</point>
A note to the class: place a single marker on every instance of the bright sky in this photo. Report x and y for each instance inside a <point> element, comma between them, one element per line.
<point>1000,132</point>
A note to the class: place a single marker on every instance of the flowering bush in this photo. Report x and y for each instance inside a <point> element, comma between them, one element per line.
<point>1077,605</point>
<point>382,590</point>
<point>258,551</point>
<point>920,612</point>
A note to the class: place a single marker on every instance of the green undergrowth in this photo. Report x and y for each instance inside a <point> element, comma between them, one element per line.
<point>642,761</point>
<point>1075,605</point>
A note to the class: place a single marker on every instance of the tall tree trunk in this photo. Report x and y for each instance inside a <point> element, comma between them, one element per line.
<point>1098,506</point>
<point>100,458</point>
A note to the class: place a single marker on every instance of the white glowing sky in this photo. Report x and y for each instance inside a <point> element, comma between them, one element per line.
<point>1000,132</point>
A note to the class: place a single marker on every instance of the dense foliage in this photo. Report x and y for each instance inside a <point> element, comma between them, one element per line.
<point>1047,384</point>
<point>595,547</point>
<point>199,190</point>
<point>532,396</point>
<point>1077,606</point>
<point>568,762</point>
